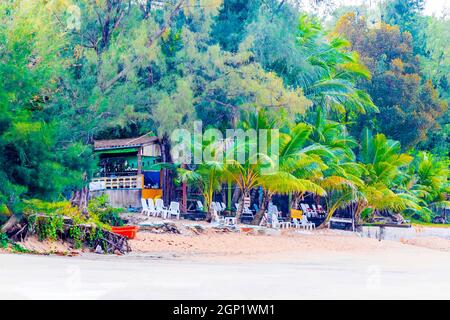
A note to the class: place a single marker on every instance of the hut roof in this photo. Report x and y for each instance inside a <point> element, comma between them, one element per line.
<point>124,143</point>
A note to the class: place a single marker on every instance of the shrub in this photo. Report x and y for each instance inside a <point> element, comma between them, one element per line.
<point>100,207</point>
<point>4,240</point>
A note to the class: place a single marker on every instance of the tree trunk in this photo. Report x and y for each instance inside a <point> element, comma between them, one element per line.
<point>254,196</point>
<point>209,214</point>
<point>296,198</point>
<point>331,211</point>
<point>359,209</point>
<point>235,198</point>
<point>167,180</point>
<point>80,200</point>
<point>241,207</point>
<point>10,224</point>
<point>264,205</point>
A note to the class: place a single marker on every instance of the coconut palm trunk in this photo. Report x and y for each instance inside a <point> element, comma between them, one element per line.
<point>264,205</point>
<point>241,206</point>
<point>296,198</point>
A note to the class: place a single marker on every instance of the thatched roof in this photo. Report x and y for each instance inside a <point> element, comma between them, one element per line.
<point>124,143</point>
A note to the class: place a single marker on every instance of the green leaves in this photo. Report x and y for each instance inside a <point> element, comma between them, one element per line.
<point>407,107</point>
<point>366,146</point>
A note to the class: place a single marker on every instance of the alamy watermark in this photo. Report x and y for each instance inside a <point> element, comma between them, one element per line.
<point>73,20</point>
<point>69,16</point>
<point>235,146</point>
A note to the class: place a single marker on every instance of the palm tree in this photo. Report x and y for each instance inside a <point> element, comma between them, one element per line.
<point>342,174</point>
<point>207,176</point>
<point>331,80</point>
<point>343,184</point>
<point>383,159</point>
<point>299,162</point>
<point>428,182</point>
<point>370,185</point>
<point>384,173</point>
<point>296,159</point>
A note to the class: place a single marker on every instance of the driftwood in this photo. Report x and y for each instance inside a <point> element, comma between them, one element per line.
<point>163,227</point>
<point>222,229</point>
<point>197,229</point>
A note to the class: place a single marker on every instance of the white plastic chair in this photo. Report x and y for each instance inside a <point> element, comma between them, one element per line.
<point>159,207</point>
<point>245,211</point>
<point>275,223</point>
<point>216,217</point>
<point>272,209</point>
<point>306,209</point>
<point>306,224</point>
<point>151,208</point>
<point>174,210</point>
<point>264,220</point>
<point>200,206</point>
<point>214,207</point>
<point>224,207</point>
<point>145,209</point>
<point>296,224</point>
<point>314,210</point>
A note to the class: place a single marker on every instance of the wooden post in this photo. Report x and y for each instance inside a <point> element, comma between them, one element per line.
<point>229,207</point>
<point>184,196</point>
<point>139,161</point>
<point>289,204</point>
<point>353,221</point>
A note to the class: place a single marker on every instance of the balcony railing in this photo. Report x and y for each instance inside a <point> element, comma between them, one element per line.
<point>116,174</point>
<point>119,182</point>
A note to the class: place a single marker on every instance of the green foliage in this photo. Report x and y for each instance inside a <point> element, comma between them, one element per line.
<point>6,243</point>
<point>4,240</point>
<point>230,23</point>
<point>241,64</point>
<point>16,247</point>
<point>31,151</point>
<point>76,235</point>
<point>428,182</point>
<point>404,98</point>
<point>312,59</point>
<point>48,226</point>
<point>406,15</point>
<point>46,219</point>
<point>366,213</point>
<point>100,208</point>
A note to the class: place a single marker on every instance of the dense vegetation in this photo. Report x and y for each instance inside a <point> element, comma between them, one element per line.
<point>362,109</point>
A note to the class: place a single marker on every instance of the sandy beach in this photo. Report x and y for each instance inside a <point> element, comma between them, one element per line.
<point>235,245</point>
<point>279,245</point>
<point>216,267</point>
<point>322,264</point>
